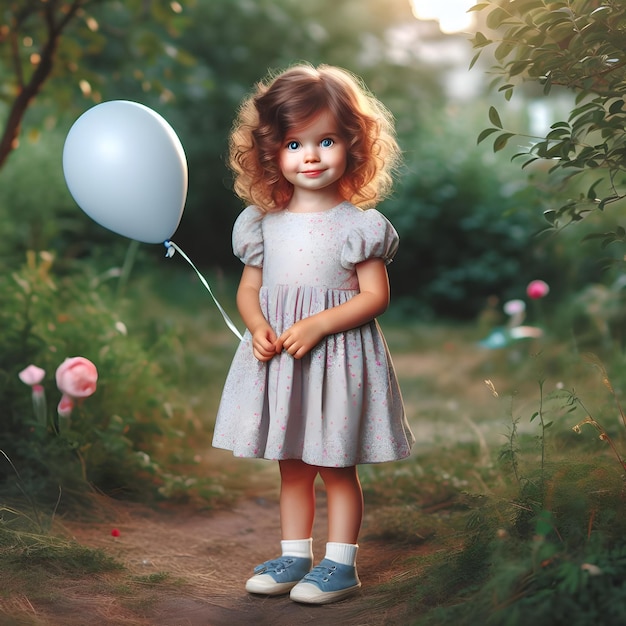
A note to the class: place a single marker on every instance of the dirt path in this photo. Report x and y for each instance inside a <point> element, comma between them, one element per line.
<point>189,569</point>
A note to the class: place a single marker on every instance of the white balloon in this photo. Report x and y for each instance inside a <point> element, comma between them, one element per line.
<point>126,168</point>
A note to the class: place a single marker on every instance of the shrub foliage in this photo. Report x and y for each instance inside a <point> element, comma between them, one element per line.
<point>577,45</point>
<point>115,440</point>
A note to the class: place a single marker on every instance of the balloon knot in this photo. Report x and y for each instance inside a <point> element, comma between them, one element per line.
<point>170,249</point>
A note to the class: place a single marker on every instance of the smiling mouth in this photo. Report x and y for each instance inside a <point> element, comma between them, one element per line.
<point>312,172</point>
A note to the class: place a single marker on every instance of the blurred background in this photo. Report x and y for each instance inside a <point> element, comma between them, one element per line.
<point>467,217</point>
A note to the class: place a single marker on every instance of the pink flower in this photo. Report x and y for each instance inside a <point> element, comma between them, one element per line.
<point>32,375</point>
<point>514,307</point>
<point>76,377</point>
<point>537,289</point>
<point>65,406</point>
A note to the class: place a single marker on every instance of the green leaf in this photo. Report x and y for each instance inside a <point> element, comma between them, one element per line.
<point>557,133</point>
<point>501,141</point>
<point>550,216</point>
<point>591,193</point>
<point>494,117</point>
<point>529,162</point>
<point>608,200</point>
<point>496,18</point>
<point>547,83</point>
<point>503,50</point>
<point>600,13</point>
<point>474,59</point>
<point>518,67</point>
<point>485,133</point>
<point>479,7</point>
<point>480,41</point>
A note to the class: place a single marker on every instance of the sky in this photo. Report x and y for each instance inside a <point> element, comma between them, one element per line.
<point>451,14</point>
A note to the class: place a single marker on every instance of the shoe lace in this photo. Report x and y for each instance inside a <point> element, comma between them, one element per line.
<point>321,573</point>
<point>275,565</point>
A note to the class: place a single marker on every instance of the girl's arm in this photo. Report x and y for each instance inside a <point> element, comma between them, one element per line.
<point>371,301</point>
<point>263,337</point>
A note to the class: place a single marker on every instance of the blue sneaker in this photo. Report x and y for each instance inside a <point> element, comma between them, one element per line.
<point>327,582</point>
<point>278,575</point>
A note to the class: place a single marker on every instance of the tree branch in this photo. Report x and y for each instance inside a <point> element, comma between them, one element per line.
<point>29,90</point>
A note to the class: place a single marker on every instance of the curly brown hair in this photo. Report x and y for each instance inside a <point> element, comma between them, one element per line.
<point>294,97</point>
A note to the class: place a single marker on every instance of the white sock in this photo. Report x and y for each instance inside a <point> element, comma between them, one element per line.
<point>342,552</point>
<point>302,548</point>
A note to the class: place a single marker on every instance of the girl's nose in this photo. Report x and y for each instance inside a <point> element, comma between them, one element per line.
<point>311,154</point>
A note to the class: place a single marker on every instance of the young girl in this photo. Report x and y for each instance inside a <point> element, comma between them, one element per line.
<point>311,384</point>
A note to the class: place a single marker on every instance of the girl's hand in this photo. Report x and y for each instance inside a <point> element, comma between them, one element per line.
<point>302,337</point>
<point>264,343</point>
<point>372,300</point>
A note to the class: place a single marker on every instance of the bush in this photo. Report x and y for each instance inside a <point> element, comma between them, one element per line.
<point>466,226</point>
<point>119,440</point>
<point>544,544</point>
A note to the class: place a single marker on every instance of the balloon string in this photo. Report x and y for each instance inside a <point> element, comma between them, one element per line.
<point>171,247</point>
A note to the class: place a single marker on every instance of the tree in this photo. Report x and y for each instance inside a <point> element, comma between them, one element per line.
<point>63,41</point>
<point>577,45</point>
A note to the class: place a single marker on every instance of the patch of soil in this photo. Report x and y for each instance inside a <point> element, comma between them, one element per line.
<point>189,567</point>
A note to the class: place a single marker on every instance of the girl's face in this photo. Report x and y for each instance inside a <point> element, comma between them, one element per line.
<point>313,156</point>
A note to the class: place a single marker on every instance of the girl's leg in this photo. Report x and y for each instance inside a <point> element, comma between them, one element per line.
<point>297,511</point>
<point>297,499</point>
<point>336,577</point>
<point>345,503</point>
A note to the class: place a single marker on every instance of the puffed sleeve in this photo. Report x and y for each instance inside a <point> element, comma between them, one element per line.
<point>248,237</point>
<point>372,237</point>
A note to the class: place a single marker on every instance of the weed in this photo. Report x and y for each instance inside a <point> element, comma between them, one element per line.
<point>545,546</point>
<point>604,436</point>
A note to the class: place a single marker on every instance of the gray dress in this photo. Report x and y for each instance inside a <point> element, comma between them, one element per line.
<point>340,405</point>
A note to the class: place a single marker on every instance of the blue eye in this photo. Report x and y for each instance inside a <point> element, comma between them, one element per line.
<point>326,143</point>
<point>293,145</point>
